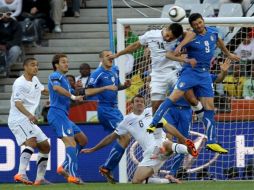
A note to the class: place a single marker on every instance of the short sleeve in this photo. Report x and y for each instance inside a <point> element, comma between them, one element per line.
<point>121,128</point>
<point>93,80</point>
<point>144,38</point>
<point>55,79</point>
<point>18,92</point>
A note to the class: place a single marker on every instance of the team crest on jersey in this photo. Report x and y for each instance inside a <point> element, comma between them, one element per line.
<point>212,38</point>
<point>113,79</point>
<point>91,80</point>
<point>181,84</point>
<point>69,131</point>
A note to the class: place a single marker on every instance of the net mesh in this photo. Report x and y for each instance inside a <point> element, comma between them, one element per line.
<point>234,106</point>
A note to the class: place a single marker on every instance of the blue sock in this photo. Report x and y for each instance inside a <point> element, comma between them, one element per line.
<point>178,159</point>
<point>78,148</point>
<point>210,125</point>
<point>115,156</point>
<point>72,161</point>
<point>161,111</point>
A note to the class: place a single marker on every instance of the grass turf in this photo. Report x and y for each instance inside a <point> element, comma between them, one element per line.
<point>199,185</point>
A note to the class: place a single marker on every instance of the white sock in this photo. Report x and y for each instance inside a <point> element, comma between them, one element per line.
<point>199,110</point>
<point>157,180</point>
<point>24,159</point>
<point>179,148</point>
<point>42,162</point>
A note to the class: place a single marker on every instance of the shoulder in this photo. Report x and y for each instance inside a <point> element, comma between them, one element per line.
<point>55,75</point>
<point>19,81</point>
<point>152,34</point>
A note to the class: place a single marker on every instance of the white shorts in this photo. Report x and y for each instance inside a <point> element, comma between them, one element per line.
<point>24,130</point>
<point>161,82</point>
<point>155,164</point>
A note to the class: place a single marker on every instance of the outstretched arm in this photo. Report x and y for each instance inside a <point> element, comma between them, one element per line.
<point>172,56</point>
<point>223,71</point>
<point>104,142</point>
<point>129,49</point>
<point>224,49</point>
<point>188,37</point>
<point>64,92</point>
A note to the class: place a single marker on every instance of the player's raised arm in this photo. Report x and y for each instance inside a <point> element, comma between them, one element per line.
<point>129,49</point>
<point>225,50</point>
<point>171,55</point>
<point>104,142</point>
<point>223,71</point>
<point>188,36</point>
<point>64,92</point>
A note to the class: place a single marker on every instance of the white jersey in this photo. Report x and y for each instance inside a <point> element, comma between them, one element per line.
<point>136,125</point>
<point>29,92</point>
<point>158,48</point>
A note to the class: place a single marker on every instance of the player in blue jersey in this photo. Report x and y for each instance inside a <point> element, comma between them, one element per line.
<point>180,116</point>
<point>108,113</point>
<point>60,95</point>
<point>202,49</point>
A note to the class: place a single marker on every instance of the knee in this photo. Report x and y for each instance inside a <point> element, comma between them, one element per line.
<point>31,143</point>
<point>44,147</point>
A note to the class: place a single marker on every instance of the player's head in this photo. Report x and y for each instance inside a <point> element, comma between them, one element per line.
<point>127,30</point>
<point>71,80</point>
<point>104,58</point>
<point>84,69</point>
<point>237,70</point>
<point>30,66</point>
<point>172,32</point>
<point>138,103</point>
<point>60,63</point>
<point>197,22</point>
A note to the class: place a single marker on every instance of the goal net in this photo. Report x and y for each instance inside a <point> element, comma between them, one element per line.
<point>234,110</point>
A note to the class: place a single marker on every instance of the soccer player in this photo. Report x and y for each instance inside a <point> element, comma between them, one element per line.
<point>202,49</point>
<point>108,113</point>
<point>180,116</point>
<point>26,94</point>
<point>71,135</point>
<point>164,71</point>
<point>136,124</point>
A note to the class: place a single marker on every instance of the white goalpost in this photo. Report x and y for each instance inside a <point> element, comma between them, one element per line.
<point>234,115</point>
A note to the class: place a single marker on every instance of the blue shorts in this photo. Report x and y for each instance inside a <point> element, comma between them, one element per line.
<point>200,82</point>
<point>109,117</point>
<point>62,125</point>
<point>180,118</point>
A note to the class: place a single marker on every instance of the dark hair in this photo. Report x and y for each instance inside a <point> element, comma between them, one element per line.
<point>102,53</point>
<point>82,65</point>
<point>137,96</point>
<point>56,59</point>
<point>176,29</point>
<point>194,17</point>
<point>28,60</point>
<point>71,76</point>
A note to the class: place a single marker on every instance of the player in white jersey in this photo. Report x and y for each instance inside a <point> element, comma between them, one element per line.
<point>164,71</point>
<point>26,93</point>
<point>156,150</point>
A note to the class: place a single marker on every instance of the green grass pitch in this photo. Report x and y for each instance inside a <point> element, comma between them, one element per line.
<point>199,185</point>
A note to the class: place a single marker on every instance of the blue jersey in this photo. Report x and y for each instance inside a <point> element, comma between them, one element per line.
<point>101,77</point>
<point>57,100</point>
<point>202,48</point>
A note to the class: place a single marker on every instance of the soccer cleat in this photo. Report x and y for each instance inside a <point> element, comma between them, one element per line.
<point>151,128</point>
<point>191,148</point>
<point>22,179</point>
<point>75,180</point>
<point>63,172</point>
<point>107,174</point>
<point>215,147</point>
<point>42,182</point>
<point>172,179</point>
